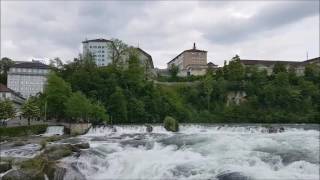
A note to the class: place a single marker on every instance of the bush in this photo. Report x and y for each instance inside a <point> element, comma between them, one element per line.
<point>170,124</point>
<point>23,130</point>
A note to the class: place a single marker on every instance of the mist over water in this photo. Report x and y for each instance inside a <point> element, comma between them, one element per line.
<point>198,152</point>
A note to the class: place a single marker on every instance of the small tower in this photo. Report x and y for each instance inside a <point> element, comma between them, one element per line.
<point>194,45</point>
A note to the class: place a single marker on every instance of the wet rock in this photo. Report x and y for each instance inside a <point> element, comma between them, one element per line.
<point>275,129</point>
<point>233,176</point>
<point>170,124</point>
<point>181,140</point>
<point>23,175</point>
<point>281,129</point>
<point>59,173</point>
<point>15,174</point>
<point>19,143</point>
<point>4,166</point>
<point>184,171</point>
<point>56,152</point>
<point>82,145</point>
<point>149,128</point>
<point>133,143</point>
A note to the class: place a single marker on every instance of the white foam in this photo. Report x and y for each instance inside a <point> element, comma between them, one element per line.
<point>200,152</point>
<point>54,130</point>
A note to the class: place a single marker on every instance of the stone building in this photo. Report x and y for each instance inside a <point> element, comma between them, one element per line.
<point>190,62</point>
<point>268,65</point>
<point>28,78</point>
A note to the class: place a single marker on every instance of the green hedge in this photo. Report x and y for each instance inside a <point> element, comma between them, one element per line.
<point>23,130</point>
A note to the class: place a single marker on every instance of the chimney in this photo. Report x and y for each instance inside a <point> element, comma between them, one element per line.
<point>194,45</point>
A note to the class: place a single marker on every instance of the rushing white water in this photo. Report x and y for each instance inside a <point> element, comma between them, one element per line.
<point>197,152</point>
<point>25,151</point>
<point>54,130</point>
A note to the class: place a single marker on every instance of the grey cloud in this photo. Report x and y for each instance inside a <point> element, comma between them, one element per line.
<point>162,28</point>
<point>233,30</point>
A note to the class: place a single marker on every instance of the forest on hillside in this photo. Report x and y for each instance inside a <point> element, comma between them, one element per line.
<point>81,91</point>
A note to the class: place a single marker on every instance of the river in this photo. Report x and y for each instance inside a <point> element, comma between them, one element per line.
<point>217,152</point>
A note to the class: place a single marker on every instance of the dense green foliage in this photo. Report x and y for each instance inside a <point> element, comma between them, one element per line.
<point>6,109</point>
<point>170,124</point>
<point>128,97</point>
<point>5,64</point>
<point>22,130</point>
<point>30,110</point>
<point>121,93</point>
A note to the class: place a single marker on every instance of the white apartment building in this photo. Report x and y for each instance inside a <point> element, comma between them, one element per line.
<point>99,48</point>
<point>28,78</point>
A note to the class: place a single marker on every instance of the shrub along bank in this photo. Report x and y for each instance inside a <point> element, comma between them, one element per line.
<point>23,130</point>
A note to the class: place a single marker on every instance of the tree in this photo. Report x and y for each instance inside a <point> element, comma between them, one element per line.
<point>118,50</point>
<point>118,106</point>
<point>6,109</point>
<point>56,94</point>
<point>235,70</point>
<point>312,73</point>
<point>5,64</point>
<point>30,110</point>
<point>134,75</point>
<point>77,107</point>
<point>278,68</point>
<point>173,70</point>
<point>56,63</point>
<point>208,88</point>
<point>98,114</point>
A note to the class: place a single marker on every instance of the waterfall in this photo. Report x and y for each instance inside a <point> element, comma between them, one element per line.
<point>184,128</point>
<point>199,151</point>
<point>54,130</point>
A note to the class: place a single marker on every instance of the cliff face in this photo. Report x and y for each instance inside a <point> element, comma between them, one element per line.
<point>236,97</point>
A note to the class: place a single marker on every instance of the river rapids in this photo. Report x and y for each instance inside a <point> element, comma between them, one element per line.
<point>216,152</point>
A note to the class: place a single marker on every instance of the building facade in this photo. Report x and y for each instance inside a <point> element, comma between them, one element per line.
<point>99,48</point>
<point>268,65</point>
<point>28,78</point>
<point>101,52</point>
<point>190,62</point>
<point>14,97</point>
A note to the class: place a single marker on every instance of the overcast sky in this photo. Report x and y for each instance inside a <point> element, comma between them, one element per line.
<point>284,30</point>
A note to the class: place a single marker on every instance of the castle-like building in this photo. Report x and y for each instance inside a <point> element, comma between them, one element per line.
<point>191,62</point>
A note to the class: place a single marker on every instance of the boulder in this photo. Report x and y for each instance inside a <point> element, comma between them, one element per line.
<point>55,152</point>
<point>170,124</point>
<point>149,128</point>
<point>5,166</point>
<point>275,129</point>
<point>233,176</point>
<point>82,145</point>
<point>55,172</point>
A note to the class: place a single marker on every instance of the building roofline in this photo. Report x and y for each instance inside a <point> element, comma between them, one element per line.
<point>188,50</point>
<point>267,62</point>
<point>147,54</point>
<point>31,65</point>
<point>4,88</point>
<point>97,40</point>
